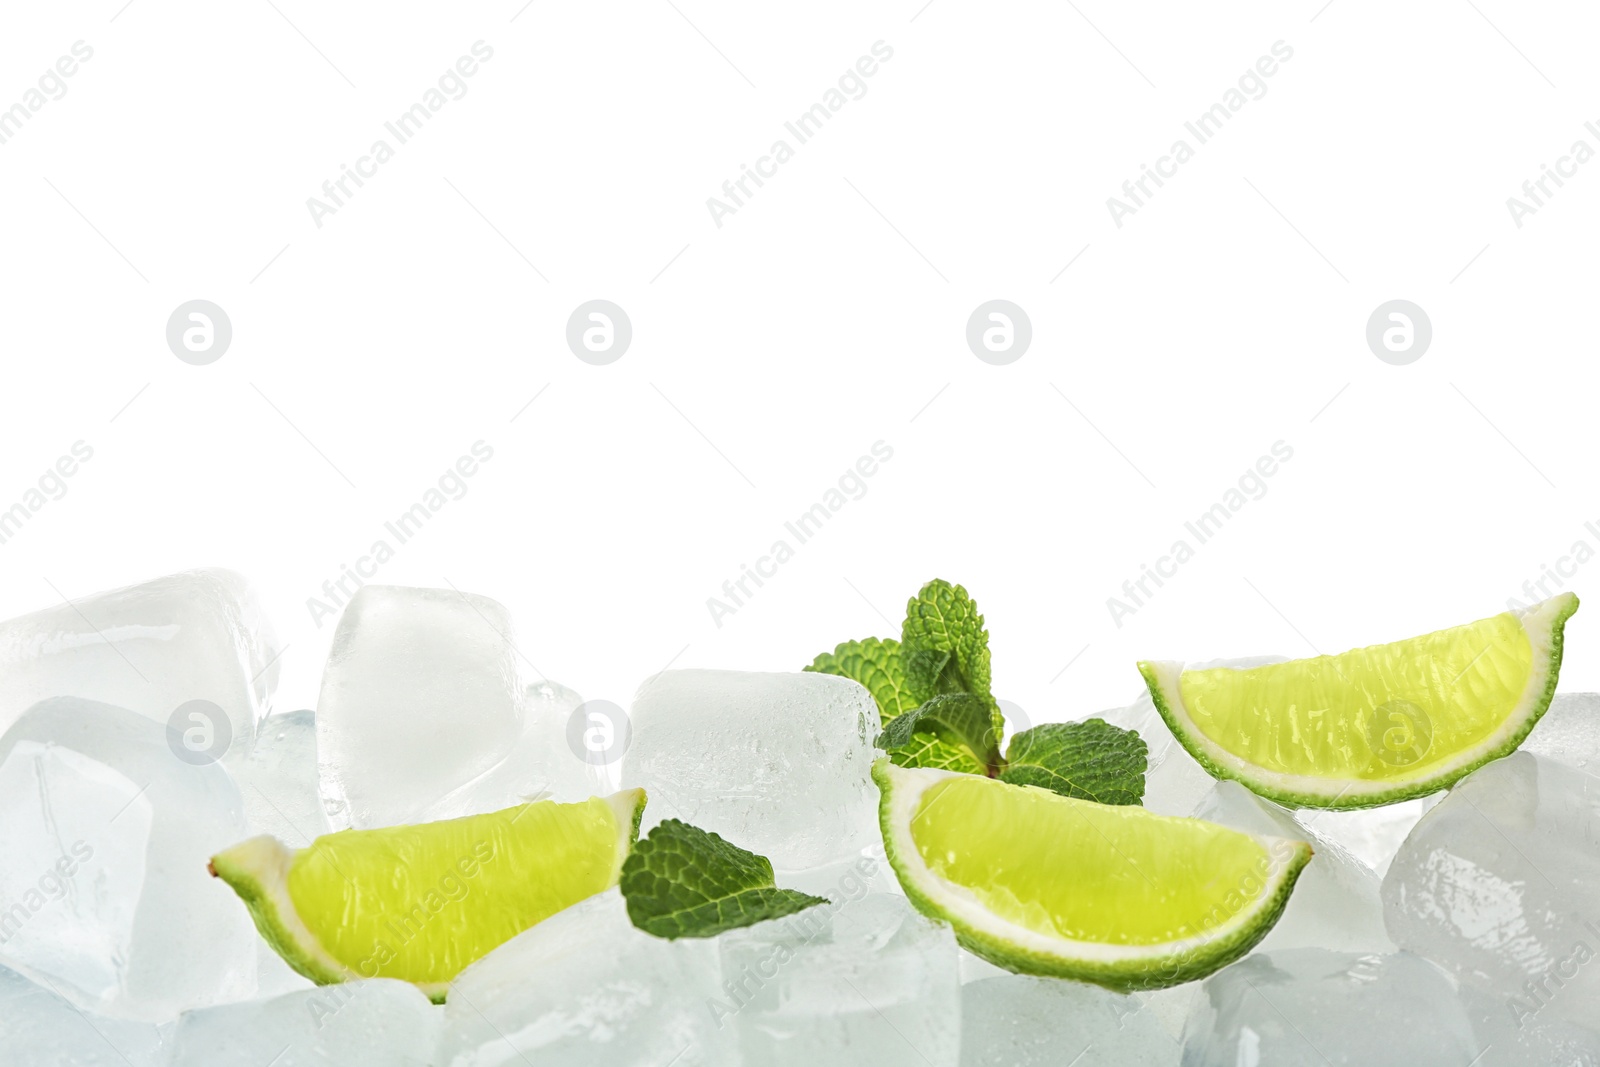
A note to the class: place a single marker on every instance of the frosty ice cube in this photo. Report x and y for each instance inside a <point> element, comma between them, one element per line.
<point>780,764</point>
<point>278,780</point>
<point>1312,1006</point>
<point>151,648</point>
<point>1497,882</point>
<point>104,895</point>
<point>39,1027</point>
<point>1173,782</point>
<point>1018,1021</point>
<point>424,713</point>
<point>1569,731</point>
<point>1335,903</point>
<point>870,983</point>
<point>374,1023</point>
<point>585,988</point>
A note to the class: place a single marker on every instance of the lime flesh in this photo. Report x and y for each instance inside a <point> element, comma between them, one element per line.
<point>1045,884</point>
<point>420,903</point>
<point>1373,725</point>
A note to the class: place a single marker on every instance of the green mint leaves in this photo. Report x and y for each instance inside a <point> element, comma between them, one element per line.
<point>1091,760</point>
<point>933,690</point>
<point>944,643</point>
<point>961,719</point>
<point>876,664</point>
<point>682,881</point>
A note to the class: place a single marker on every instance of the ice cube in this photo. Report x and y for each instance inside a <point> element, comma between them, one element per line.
<point>1569,731</point>
<point>1313,1006</point>
<point>1371,835</point>
<point>151,648</point>
<point>1511,1038</point>
<point>870,982</point>
<point>586,988</point>
<point>776,763</point>
<point>1497,882</point>
<point>278,780</point>
<point>1173,782</point>
<point>39,1027</point>
<point>104,888</point>
<point>1335,903</point>
<point>1170,1007</point>
<point>373,1023</point>
<point>974,968</point>
<point>424,713</point>
<point>848,879</point>
<point>1018,1021</point>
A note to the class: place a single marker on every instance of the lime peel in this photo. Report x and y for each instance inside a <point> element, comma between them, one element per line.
<point>1026,947</point>
<point>1542,625</point>
<point>260,871</point>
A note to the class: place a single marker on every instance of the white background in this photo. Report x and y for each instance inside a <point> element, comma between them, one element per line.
<point>826,314</point>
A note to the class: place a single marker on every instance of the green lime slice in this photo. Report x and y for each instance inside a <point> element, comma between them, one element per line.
<point>1044,884</point>
<point>420,903</point>
<point>1375,725</point>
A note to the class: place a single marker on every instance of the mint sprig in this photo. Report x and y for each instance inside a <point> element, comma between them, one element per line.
<point>1091,760</point>
<point>877,665</point>
<point>934,697</point>
<point>682,881</point>
<point>963,719</point>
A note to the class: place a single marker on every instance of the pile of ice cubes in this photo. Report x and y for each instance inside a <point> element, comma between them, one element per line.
<point>140,737</point>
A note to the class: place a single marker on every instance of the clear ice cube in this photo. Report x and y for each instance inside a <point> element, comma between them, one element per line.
<point>424,713</point>
<point>1371,835</point>
<point>104,894</point>
<point>1497,884</point>
<point>39,1027</point>
<point>1018,1021</point>
<point>373,1023</point>
<point>278,780</point>
<point>1173,782</point>
<point>150,648</point>
<point>1313,1006</point>
<point>870,982</point>
<point>586,988</point>
<point>776,763</point>
<point>1335,903</point>
<point>1569,731</point>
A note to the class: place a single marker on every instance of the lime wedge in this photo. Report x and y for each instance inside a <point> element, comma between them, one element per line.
<point>419,903</point>
<point>1375,725</point>
<point>1040,883</point>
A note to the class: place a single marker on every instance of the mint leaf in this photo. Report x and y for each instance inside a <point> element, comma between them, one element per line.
<point>944,644</point>
<point>1091,760</point>
<point>963,719</point>
<point>928,749</point>
<point>875,663</point>
<point>682,881</point>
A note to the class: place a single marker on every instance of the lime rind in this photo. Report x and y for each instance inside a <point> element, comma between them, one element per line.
<point>258,871</point>
<point>1544,623</point>
<point>1014,947</point>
